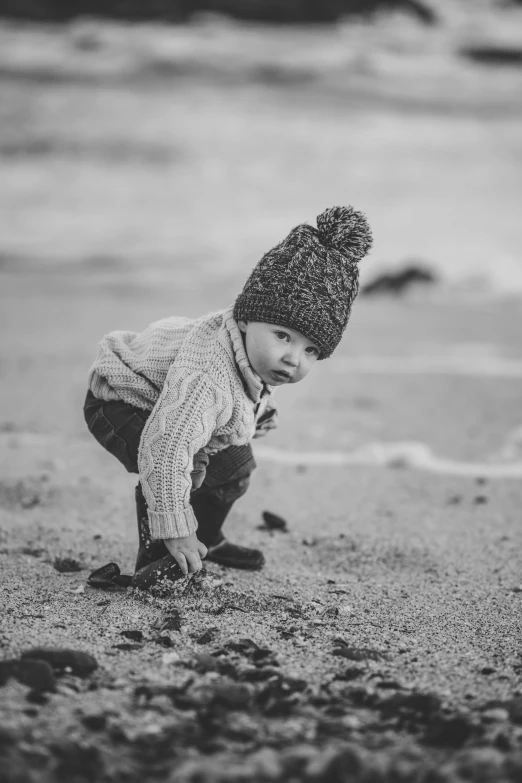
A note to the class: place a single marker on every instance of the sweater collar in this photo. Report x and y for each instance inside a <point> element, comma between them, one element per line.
<point>252,381</point>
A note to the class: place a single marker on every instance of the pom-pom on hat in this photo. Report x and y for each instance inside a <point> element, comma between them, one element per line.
<point>309,280</point>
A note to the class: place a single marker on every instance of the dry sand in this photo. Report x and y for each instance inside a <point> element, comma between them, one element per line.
<point>419,569</point>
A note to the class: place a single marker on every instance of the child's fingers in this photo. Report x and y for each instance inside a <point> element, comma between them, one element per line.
<point>194,561</point>
<point>181,560</point>
<point>202,549</point>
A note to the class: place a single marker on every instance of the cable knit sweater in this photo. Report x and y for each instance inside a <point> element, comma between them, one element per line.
<point>195,377</point>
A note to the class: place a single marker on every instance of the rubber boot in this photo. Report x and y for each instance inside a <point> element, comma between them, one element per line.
<point>148,550</point>
<point>211,513</point>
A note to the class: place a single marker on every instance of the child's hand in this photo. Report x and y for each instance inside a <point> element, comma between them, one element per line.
<point>187,552</point>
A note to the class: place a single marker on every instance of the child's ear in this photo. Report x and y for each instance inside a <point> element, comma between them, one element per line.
<point>242,325</point>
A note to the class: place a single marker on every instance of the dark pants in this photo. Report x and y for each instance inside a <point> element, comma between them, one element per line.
<point>117,426</point>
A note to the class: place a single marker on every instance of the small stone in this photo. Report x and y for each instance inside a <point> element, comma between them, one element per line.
<point>133,635</point>
<point>78,662</point>
<point>487,670</point>
<point>359,653</point>
<point>103,576</point>
<point>274,522</point>
<point>203,662</point>
<point>95,721</point>
<point>231,696</point>
<point>454,500</point>
<point>448,732</point>
<point>309,541</point>
<point>127,646</point>
<point>171,622</point>
<point>207,636</point>
<point>78,590</point>
<point>37,675</point>
<point>122,580</point>
<point>480,500</point>
<point>66,565</point>
<point>517,589</point>
<point>158,574</point>
<point>350,673</point>
<point>164,640</point>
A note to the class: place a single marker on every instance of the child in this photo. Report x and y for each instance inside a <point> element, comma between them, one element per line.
<point>180,402</point>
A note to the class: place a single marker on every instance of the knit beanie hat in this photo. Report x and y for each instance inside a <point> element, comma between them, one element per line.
<point>309,280</point>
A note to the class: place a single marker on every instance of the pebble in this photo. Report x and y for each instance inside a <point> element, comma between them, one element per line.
<point>208,635</point>
<point>66,565</point>
<point>103,576</point>
<point>160,573</point>
<point>274,522</point>
<point>133,635</point>
<point>78,662</point>
<point>36,674</point>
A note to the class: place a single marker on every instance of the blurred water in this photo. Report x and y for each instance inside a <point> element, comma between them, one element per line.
<point>176,152</point>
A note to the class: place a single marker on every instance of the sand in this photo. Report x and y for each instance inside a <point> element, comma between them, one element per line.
<point>401,568</point>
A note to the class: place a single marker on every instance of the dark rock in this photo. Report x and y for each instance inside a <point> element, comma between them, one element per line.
<point>454,500</point>
<point>158,574</point>
<point>164,640</point>
<point>232,696</point>
<point>127,646</point>
<point>7,670</point>
<point>171,622</point>
<point>244,646</point>
<point>66,565</point>
<point>123,580</point>
<point>77,761</point>
<point>480,500</point>
<point>78,662</point>
<point>448,732</point>
<point>37,697</point>
<point>36,674</point>
<point>103,576</point>
<point>397,282</point>
<point>95,721</point>
<point>350,673</point>
<point>208,635</point>
<point>493,54</point>
<point>420,706</point>
<point>203,662</point>
<point>274,522</point>
<point>359,653</point>
<point>134,636</point>
<point>389,685</point>
<point>255,674</point>
<point>487,670</point>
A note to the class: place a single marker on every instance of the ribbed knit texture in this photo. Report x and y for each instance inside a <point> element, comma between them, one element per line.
<point>309,280</point>
<point>195,377</point>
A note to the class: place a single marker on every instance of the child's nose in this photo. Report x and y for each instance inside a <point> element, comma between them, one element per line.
<point>292,359</point>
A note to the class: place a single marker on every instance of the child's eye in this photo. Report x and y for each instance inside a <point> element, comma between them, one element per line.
<point>282,335</point>
<point>312,350</point>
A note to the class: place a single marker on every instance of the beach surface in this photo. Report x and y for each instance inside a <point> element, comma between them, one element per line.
<point>384,630</point>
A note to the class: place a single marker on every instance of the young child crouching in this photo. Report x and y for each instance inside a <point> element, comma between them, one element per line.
<point>180,402</point>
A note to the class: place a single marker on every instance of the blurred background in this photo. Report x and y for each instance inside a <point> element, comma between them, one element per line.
<point>152,151</point>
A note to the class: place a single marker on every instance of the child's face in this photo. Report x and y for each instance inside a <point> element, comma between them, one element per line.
<point>278,354</point>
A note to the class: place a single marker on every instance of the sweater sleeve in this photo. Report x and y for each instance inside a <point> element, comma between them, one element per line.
<point>182,422</point>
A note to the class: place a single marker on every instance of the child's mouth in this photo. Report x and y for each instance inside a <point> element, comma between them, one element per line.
<point>280,375</point>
